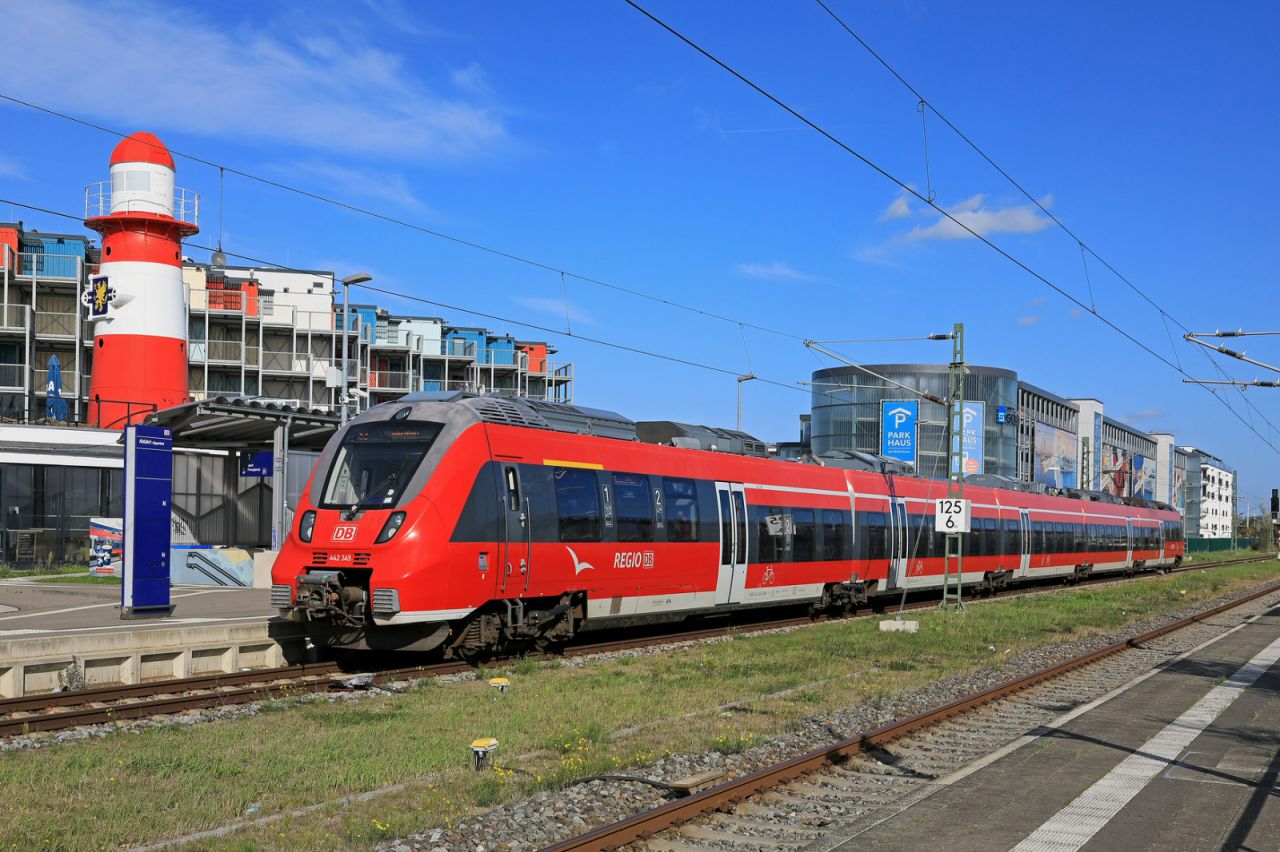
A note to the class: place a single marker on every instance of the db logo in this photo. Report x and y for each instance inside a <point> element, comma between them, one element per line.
<point>345,532</point>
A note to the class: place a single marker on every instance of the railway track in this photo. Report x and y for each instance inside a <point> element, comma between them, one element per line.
<point>116,703</point>
<point>823,798</point>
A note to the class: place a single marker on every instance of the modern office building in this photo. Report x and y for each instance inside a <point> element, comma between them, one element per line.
<point>847,412</point>
<point>1025,433</point>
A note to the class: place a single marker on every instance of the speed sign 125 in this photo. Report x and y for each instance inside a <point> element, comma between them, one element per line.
<point>951,515</point>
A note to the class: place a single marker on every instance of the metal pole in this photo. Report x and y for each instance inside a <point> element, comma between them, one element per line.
<point>954,550</point>
<point>346,329</point>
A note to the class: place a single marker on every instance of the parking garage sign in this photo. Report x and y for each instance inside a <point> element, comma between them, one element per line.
<point>898,419</point>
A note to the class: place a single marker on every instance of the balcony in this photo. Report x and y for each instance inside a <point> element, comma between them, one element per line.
<point>40,383</point>
<point>441,385</point>
<point>389,380</point>
<point>457,347</point>
<point>102,199</point>
<point>56,324</point>
<point>50,267</point>
<point>14,318</point>
<point>13,376</point>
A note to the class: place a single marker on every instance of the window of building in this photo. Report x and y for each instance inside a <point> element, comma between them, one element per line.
<point>578,504</point>
<point>633,509</point>
<point>682,509</point>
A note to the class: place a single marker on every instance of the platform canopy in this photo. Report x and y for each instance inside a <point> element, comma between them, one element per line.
<point>228,423</point>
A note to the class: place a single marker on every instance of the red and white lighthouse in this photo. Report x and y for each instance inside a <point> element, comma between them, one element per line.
<point>137,301</point>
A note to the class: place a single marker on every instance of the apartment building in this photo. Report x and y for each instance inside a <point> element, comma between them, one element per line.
<point>257,332</point>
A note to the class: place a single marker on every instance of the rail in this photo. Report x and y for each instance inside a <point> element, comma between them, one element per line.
<point>623,832</point>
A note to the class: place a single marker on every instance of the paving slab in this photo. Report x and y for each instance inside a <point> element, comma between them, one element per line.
<point>1218,793</point>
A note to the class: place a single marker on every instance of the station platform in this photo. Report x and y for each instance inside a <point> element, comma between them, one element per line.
<point>1186,758</point>
<point>47,628</point>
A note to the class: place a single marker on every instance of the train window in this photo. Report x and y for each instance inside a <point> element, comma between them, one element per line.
<point>578,504</point>
<point>375,462</point>
<point>632,508</point>
<point>726,529</point>
<point>1012,537</point>
<point>917,544</point>
<point>773,533</point>
<point>833,537</point>
<point>513,488</point>
<point>803,536</point>
<point>877,531</point>
<point>682,509</point>
<point>740,510</point>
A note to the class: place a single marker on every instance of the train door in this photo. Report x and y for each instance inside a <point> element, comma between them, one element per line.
<point>1024,563</point>
<point>1160,531</point>
<point>1128,556</point>
<point>516,527</point>
<point>732,581</point>
<point>899,543</point>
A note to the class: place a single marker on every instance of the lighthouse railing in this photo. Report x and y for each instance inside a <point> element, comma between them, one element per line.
<point>98,202</point>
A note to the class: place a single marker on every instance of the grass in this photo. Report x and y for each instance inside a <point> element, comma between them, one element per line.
<point>556,723</point>
<point>8,572</point>
<point>86,579</point>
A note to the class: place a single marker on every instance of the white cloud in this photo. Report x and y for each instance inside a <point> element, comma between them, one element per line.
<point>900,208</point>
<point>472,80</point>
<point>556,308</point>
<point>181,69</point>
<point>10,169</point>
<point>777,271</point>
<point>973,213</point>
<point>1038,300</point>
<point>1029,320</point>
<point>345,181</point>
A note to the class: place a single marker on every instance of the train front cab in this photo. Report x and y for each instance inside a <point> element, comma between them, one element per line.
<point>366,564</point>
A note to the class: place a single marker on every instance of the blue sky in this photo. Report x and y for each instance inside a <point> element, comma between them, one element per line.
<point>581,135</point>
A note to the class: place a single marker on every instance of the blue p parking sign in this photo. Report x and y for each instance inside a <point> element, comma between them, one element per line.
<point>898,419</point>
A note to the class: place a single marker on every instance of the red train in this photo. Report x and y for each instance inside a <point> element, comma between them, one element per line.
<point>477,523</point>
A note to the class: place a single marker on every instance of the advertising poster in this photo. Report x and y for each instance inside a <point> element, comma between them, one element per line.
<point>1055,456</point>
<point>898,420</point>
<point>972,441</point>
<point>1143,481</point>
<point>1179,487</point>
<point>1115,471</point>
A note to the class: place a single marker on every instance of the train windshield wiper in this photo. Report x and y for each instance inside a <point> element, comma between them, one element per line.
<point>389,479</point>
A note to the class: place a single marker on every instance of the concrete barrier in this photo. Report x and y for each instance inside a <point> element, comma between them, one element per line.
<point>40,664</point>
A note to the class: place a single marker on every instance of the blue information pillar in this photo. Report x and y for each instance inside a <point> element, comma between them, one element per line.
<point>148,498</point>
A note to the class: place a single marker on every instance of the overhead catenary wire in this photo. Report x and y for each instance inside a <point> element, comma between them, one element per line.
<point>923,103</point>
<point>907,188</point>
<point>389,219</point>
<point>623,347</point>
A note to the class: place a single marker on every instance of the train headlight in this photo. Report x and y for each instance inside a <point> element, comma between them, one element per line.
<point>307,525</point>
<point>390,528</point>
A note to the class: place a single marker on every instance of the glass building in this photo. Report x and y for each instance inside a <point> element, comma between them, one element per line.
<point>847,411</point>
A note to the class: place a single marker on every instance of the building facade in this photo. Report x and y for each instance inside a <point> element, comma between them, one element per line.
<point>1211,495</point>
<point>847,404</point>
<point>258,332</point>
<point>1028,433</point>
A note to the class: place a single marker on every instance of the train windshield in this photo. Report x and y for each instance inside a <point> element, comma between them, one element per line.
<point>374,463</point>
